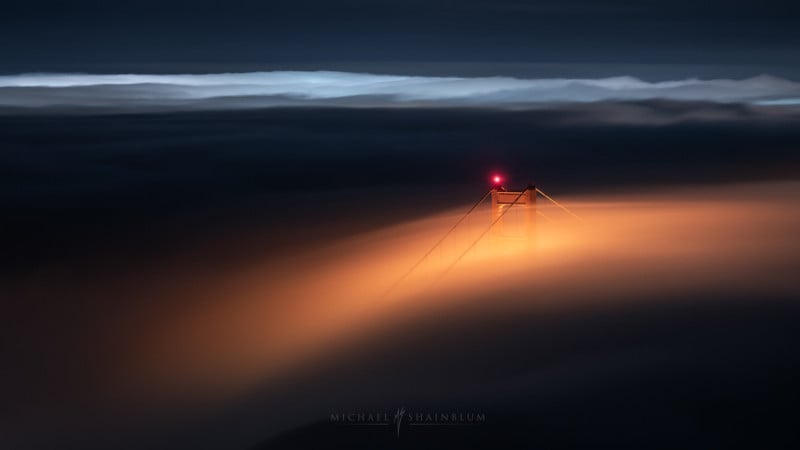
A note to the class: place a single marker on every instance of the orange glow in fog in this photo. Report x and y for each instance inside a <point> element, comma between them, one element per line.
<point>235,330</point>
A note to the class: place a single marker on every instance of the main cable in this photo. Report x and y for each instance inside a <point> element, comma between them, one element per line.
<point>437,244</point>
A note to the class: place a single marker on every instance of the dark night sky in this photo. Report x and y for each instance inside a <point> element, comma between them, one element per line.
<point>711,37</point>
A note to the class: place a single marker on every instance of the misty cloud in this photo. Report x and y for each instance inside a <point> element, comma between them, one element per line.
<point>324,88</point>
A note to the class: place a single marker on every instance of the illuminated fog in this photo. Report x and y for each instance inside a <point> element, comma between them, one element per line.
<point>630,249</point>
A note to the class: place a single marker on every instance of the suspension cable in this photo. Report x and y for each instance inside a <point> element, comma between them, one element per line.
<point>437,244</point>
<point>475,242</point>
<point>561,206</point>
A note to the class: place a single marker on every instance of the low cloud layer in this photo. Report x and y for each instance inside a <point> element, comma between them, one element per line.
<point>287,88</point>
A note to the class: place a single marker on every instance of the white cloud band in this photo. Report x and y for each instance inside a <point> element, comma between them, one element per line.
<point>280,88</point>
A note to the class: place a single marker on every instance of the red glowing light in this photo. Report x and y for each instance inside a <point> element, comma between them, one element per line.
<point>497,179</point>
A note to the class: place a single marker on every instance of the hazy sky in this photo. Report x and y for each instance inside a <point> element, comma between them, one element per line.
<point>482,36</point>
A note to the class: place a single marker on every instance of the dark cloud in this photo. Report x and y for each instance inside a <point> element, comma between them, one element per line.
<point>65,176</point>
